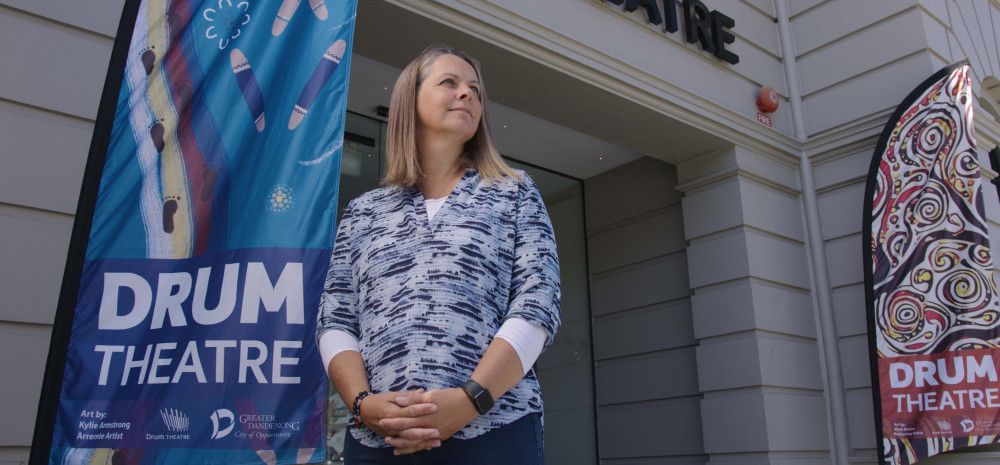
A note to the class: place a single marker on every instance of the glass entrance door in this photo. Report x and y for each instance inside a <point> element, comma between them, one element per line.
<point>565,370</point>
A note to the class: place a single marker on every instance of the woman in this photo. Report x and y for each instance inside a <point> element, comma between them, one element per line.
<point>443,286</point>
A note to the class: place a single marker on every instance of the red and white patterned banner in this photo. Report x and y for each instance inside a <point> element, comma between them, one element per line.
<point>934,323</point>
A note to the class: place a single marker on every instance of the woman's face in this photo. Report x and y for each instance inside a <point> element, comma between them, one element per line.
<point>448,102</point>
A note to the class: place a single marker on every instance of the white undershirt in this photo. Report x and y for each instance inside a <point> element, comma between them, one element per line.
<point>527,339</point>
<point>433,205</point>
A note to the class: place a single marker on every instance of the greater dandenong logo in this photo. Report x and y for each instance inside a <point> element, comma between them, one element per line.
<point>223,422</point>
<point>175,420</point>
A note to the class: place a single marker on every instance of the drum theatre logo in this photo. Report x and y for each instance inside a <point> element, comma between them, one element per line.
<point>175,420</point>
<point>177,424</point>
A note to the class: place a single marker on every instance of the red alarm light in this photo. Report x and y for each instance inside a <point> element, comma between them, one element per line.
<point>767,99</point>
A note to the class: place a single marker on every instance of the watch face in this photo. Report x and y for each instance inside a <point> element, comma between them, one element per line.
<point>484,401</point>
<point>480,397</point>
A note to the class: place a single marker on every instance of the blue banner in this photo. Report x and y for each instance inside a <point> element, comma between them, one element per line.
<point>192,336</point>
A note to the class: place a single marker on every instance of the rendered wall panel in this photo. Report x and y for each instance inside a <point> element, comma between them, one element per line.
<point>936,35</point>
<point>968,41</point>
<point>849,310</point>
<point>756,358</point>
<point>734,422</point>
<point>752,24</point>
<point>714,167</point>
<point>770,209</point>
<point>628,191</point>
<point>883,42</point>
<point>764,6</point>
<point>783,309</point>
<point>854,361</point>
<point>22,356</point>
<point>719,309</point>
<point>716,311</point>
<point>994,17</point>
<point>722,199</point>
<point>935,8</point>
<point>777,259</point>
<point>58,68</point>
<point>14,455</point>
<point>845,169</point>
<point>572,383</point>
<point>835,19</point>
<point>99,15</point>
<point>647,329</point>
<point>561,427</point>
<point>843,257</point>
<point>797,7</point>
<point>718,258</point>
<point>34,254</point>
<point>45,154</point>
<point>877,90</point>
<point>728,362</point>
<point>653,236</point>
<point>682,460</point>
<point>570,346</point>
<point>758,67</point>
<point>657,375</point>
<point>842,209</point>
<point>796,420</point>
<point>658,280</point>
<point>643,341</point>
<point>788,361</point>
<point>774,458</point>
<point>860,418</point>
<point>675,433</point>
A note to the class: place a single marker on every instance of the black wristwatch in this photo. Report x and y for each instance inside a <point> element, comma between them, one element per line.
<point>480,397</point>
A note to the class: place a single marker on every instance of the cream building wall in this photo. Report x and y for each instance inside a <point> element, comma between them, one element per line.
<point>56,56</point>
<point>846,107</point>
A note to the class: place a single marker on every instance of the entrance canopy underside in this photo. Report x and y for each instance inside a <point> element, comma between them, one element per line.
<point>552,119</point>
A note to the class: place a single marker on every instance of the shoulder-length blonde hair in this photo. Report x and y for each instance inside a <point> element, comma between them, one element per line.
<point>402,166</point>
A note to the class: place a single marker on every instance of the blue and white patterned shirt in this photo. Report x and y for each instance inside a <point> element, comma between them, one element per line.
<point>425,298</point>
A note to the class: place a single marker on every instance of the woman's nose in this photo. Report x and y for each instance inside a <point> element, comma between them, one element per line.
<point>464,92</point>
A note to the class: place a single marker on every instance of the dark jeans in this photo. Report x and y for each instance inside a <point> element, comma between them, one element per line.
<point>519,443</point>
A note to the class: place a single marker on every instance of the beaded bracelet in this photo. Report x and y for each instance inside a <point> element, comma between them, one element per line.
<point>356,411</point>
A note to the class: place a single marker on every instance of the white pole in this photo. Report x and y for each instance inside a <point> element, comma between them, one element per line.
<point>828,333</point>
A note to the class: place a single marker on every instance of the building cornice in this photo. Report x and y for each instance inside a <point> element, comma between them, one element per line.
<point>524,37</point>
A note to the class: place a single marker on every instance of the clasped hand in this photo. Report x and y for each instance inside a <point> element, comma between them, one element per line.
<point>412,421</point>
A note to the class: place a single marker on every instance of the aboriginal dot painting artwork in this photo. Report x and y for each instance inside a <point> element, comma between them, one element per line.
<point>192,335</point>
<point>931,290</point>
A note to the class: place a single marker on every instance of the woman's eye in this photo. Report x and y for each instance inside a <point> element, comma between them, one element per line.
<point>475,89</point>
<point>448,81</point>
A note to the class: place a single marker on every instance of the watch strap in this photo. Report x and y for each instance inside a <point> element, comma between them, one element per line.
<point>480,396</point>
